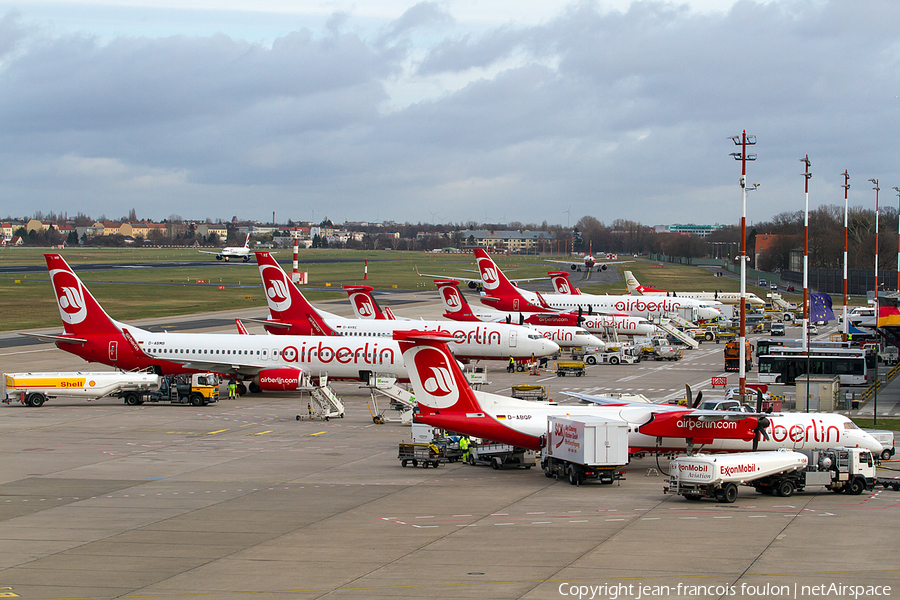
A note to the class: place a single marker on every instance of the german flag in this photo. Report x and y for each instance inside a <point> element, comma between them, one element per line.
<point>888,312</point>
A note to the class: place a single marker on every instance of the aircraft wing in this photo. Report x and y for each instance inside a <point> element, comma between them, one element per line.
<point>207,252</point>
<point>445,276</point>
<point>55,339</point>
<point>248,371</point>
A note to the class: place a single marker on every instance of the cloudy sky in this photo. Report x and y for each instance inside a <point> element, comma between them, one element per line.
<point>444,111</point>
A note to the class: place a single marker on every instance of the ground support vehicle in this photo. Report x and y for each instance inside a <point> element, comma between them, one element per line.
<point>659,348</point>
<point>197,389</point>
<point>625,355</point>
<point>575,368</point>
<point>500,456</point>
<point>888,482</point>
<point>536,393</point>
<point>33,389</point>
<point>416,453</point>
<point>582,448</point>
<point>886,439</point>
<point>718,476</point>
<point>733,356</point>
<point>778,473</point>
<point>844,470</point>
<point>714,333</point>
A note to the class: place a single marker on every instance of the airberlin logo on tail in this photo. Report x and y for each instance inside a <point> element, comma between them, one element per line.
<point>435,376</point>
<point>363,306</point>
<point>451,298</point>
<point>277,293</point>
<point>562,285</point>
<point>69,296</point>
<point>488,273</point>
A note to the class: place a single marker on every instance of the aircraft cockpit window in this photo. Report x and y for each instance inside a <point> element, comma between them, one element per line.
<point>850,425</point>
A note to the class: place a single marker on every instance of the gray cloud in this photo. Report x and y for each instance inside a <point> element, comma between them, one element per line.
<point>618,114</point>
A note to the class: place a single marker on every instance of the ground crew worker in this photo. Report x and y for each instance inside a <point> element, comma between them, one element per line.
<point>232,389</point>
<point>464,444</point>
<point>511,367</point>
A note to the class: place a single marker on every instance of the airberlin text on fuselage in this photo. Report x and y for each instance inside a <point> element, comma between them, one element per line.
<point>642,305</point>
<point>812,432</point>
<point>324,353</point>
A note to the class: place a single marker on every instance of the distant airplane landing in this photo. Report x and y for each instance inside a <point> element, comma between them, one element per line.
<point>233,251</point>
<point>588,262</point>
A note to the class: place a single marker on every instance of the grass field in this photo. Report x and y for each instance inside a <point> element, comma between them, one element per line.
<point>130,293</point>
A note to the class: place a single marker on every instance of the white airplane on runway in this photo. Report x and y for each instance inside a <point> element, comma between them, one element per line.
<point>233,251</point>
<point>447,401</point>
<point>290,312</point>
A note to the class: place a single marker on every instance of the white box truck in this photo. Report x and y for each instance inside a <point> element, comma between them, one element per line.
<point>583,448</point>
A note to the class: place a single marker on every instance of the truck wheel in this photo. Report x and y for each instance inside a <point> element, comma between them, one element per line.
<point>885,454</point>
<point>573,476</point>
<point>547,471</point>
<point>132,399</point>
<point>691,496</point>
<point>785,489</point>
<point>856,487</point>
<point>196,400</point>
<point>591,360</point>
<point>709,337</point>
<point>613,360</point>
<point>403,463</point>
<point>35,399</point>
<point>495,463</point>
<point>415,462</point>
<point>729,494</point>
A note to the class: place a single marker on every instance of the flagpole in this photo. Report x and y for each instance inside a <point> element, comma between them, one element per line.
<point>875,393</point>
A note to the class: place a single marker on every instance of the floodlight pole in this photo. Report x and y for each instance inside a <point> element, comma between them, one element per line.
<point>806,176</point>
<point>846,187</point>
<point>743,141</point>
<point>877,380</point>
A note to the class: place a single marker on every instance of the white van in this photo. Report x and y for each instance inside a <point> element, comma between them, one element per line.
<point>886,439</point>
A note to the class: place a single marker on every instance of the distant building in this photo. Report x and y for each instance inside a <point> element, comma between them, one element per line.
<point>504,241</point>
<point>206,229</point>
<point>701,231</point>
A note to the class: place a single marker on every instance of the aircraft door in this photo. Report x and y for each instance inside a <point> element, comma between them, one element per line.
<point>515,304</point>
<point>113,350</point>
<point>512,339</point>
<point>265,354</point>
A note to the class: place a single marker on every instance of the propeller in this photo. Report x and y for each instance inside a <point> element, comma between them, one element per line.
<point>691,402</point>
<point>521,319</point>
<point>580,319</point>
<point>761,423</point>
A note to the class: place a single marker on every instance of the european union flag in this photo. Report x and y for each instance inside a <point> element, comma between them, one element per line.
<point>820,307</point>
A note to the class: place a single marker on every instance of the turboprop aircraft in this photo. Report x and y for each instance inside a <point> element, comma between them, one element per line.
<point>636,289</point>
<point>457,308</point>
<point>290,312</point>
<point>270,363</point>
<point>447,401</point>
<point>503,295</point>
<point>233,251</point>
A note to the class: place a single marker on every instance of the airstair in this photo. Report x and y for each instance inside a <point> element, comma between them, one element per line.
<point>686,339</point>
<point>323,402</point>
<point>679,320</point>
<point>402,401</point>
<point>786,308</point>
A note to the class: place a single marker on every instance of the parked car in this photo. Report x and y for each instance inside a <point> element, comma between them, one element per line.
<point>777,329</point>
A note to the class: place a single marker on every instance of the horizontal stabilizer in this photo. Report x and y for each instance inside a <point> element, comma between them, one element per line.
<point>55,339</point>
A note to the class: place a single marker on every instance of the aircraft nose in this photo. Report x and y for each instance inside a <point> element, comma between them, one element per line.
<point>551,347</point>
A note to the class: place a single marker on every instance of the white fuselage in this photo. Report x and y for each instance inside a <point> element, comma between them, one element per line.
<point>472,340</point>
<point>592,323</point>
<point>792,430</point>
<point>721,297</point>
<point>340,358</point>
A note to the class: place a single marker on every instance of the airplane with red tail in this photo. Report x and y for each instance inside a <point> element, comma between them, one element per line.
<point>269,363</point>
<point>501,294</point>
<point>561,328</point>
<point>446,400</point>
<point>290,312</point>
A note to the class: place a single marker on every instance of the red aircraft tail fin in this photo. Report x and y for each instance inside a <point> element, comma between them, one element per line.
<point>286,303</point>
